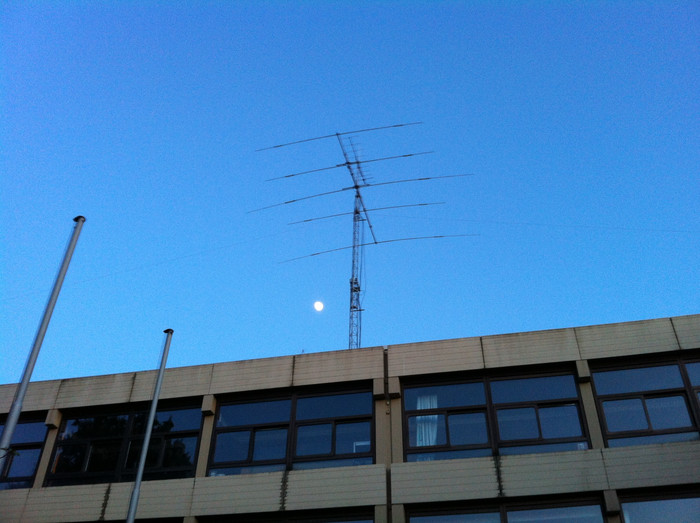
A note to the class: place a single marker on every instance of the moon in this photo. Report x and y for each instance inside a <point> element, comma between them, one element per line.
<point>318,305</point>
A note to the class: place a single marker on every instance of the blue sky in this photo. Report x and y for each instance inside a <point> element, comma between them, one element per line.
<point>578,120</point>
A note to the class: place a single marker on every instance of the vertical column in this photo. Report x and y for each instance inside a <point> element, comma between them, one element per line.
<point>53,422</point>
<point>612,506</point>
<point>583,373</point>
<point>208,411</point>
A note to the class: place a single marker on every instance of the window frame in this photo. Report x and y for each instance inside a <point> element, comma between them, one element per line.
<point>496,445</point>
<point>16,448</point>
<point>291,460</point>
<point>686,390</point>
<point>131,435</point>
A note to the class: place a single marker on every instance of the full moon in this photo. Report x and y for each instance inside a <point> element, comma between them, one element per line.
<point>318,306</point>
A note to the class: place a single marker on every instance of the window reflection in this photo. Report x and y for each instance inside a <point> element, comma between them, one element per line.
<point>682,510</point>
<point>107,447</point>
<point>647,405</point>
<point>299,432</point>
<point>540,412</point>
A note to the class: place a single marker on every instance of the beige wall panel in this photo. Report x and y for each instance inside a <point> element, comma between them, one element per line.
<point>237,494</point>
<point>444,480</point>
<point>7,393</point>
<point>530,347</point>
<point>548,473</point>
<point>622,339</point>
<point>338,366</point>
<point>652,465</point>
<point>171,498</point>
<point>688,331</point>
<point>77,503</point>
<point>336,487</point>
<point>177,383</point>
<point>435,356</point>
<point>41,395</point>
<point>12,504</point>
<point>267,373</point>
<point>96,390</point>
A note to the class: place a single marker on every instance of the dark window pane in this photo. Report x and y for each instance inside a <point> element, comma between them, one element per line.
<point>637,380</point>
<point>685,510</point>
<point>590,514</point>
<point>322,464</point>
<point>458,395</point>
<point>104,456</point>
<point>251,469</point>
<point>270,444</point>
<point>134,454</point>
<point>539,448</point>
<point>650,440</point>
<point>424,431</point>
<point>99,426</point>
<point>24,463</point>
<point>179,452</point>
<point>492,517</point>
<point>560,422</point>
<point>694,372</point>
<point>314,439</point>
<point>232,446</point>
<point>254,413</point>
<point>334,406</point>
<point>448,454</point>
<point>69,458</point>
<point>533,389</point>
<point>29,432</point>
<point>468,429</point>
<point>625,415</point>
<point>172,420</point>
<point>353,438</point>
<point>668,412</point>
<point>517,423</point>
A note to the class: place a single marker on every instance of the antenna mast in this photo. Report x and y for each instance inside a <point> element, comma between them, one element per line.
<point>358,216</point>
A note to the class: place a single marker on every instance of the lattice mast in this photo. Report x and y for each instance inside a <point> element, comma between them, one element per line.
<point>359,216</point>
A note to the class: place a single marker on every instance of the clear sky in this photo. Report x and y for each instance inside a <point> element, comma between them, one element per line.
<point>580,122</point>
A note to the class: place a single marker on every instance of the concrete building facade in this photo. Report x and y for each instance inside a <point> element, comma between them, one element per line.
<point>587,424</point>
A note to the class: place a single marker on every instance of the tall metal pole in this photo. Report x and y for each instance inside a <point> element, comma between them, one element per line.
<point>16,408</point>
<point>134,502</point>
<point>354,339</point>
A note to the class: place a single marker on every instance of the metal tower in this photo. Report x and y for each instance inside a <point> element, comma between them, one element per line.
<point>360,214</point>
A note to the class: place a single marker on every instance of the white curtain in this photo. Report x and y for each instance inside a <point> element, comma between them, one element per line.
<point>426,426</point>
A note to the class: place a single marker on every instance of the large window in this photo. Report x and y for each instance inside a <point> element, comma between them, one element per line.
<point>486,417</point>
<point>651,404</point>
<point>23,454</point>
<point>566,514</point>
<point>679,510</point>
<point>296,432</point>
<point>106,447</point>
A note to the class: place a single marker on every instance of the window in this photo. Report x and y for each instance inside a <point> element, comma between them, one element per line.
<point>680,510</point>
<point>296,432</point>
<point>485,417</point>
<point>23,457</point>
<point>653,404</point>
<point>107,447</point>
<point>568,514</point>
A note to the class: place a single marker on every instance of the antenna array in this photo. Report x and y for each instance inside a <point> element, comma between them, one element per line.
<point>360,213</point>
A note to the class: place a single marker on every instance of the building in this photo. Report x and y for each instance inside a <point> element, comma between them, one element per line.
<point>586,424</point>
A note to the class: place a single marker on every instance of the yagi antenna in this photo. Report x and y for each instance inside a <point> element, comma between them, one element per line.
<point>375,209</point>
<point>360,211</point>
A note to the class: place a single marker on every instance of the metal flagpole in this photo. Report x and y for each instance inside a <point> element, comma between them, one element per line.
<point>16,408</point>
<point>134,502</point>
